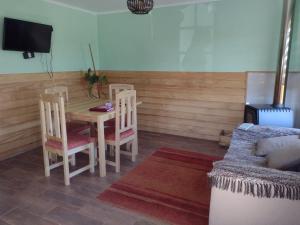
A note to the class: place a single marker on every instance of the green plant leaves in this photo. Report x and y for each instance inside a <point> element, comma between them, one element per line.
<point>92,78</point>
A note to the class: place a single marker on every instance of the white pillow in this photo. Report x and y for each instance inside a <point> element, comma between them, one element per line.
<point>268,145</point>
<point>286,158</point>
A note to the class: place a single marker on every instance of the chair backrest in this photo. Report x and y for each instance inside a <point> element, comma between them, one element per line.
<point>126,113</point>
<point>53,119</point>
<point>61,90</point>
<point>114,89</point>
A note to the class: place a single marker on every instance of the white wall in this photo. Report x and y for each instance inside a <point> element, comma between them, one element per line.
<point>260,90</point>
<point>227,208</point>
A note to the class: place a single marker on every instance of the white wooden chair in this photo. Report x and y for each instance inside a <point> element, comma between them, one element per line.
<point>125,130</point>
<point>72,126</point>
<point>115,89</point>
<point>56,140</point>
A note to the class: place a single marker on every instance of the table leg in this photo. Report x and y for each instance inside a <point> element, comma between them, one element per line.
<point>101,147</point>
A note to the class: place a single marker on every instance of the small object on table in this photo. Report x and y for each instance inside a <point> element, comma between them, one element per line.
<point>107,107</point>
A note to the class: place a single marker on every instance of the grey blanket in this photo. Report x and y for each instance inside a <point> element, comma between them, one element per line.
<point>243,172</point>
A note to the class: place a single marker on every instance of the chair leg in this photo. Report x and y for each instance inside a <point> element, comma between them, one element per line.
<point>131,150</point>
<point>92,158</point>
<point>134,149</point>
<point>117,157</point>
<point>73,160</point>
<point>66,170</point>
<point>52,157</point>
<point>46,163</point>
<point>95,154</point>
<point>129,146</point>
<point>110,149</point>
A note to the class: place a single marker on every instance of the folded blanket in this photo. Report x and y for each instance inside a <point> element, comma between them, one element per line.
<point>243,172</point>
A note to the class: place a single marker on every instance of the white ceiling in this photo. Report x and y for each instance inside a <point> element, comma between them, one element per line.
<point>109,6</point>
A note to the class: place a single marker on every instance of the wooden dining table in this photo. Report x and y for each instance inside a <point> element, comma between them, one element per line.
<point>79,110</point>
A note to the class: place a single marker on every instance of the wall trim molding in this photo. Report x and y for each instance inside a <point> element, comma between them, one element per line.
<point>71,7</point>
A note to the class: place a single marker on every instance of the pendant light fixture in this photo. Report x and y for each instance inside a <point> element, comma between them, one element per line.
<point>140,6</point>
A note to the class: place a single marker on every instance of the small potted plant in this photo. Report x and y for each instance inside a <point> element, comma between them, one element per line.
<point>93,79</point>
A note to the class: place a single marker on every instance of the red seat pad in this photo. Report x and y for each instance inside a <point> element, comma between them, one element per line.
<point>74,141</point>
<point>110,134</point>
<point>75,127</point>
<point>110,123</point>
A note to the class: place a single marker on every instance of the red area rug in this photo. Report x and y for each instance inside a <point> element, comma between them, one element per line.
<point>170,185</point>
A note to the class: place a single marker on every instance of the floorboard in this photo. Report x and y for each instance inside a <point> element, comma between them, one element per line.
<point>27,197</point>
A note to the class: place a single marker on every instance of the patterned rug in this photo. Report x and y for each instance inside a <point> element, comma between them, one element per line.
<point>170,185</point>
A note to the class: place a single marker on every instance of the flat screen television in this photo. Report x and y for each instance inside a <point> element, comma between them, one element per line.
<point>26,36</point>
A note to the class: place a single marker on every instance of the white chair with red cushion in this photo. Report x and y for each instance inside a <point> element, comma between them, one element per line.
<point>72,126</point>
<point>56,140</point>
<point>125,130</point>
<point>114,89</point>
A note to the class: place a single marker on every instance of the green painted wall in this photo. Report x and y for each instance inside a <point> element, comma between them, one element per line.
<point>229,35</point>
<point>73,30</point>
<point>295,53</point>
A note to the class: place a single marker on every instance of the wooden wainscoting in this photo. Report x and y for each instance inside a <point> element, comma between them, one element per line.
<point>197,105</point>
<point>19,109</point>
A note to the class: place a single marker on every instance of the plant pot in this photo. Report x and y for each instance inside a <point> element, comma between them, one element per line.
<point>99,89</point>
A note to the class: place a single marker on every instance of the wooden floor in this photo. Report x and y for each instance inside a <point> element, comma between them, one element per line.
<point>28,198</point>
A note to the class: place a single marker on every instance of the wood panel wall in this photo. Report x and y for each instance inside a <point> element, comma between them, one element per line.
<point>19,109</point>
<point>197,105</point>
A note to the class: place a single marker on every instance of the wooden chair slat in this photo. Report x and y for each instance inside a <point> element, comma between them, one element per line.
<point>56,121</point>
<point>49,124</point>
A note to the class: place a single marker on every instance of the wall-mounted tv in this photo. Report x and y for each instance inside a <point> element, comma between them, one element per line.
<point>26,36</point>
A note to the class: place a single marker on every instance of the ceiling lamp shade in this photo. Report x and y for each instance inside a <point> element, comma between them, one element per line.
<point>140,6</point>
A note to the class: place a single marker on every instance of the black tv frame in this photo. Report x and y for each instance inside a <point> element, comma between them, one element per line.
<point>28,51</point>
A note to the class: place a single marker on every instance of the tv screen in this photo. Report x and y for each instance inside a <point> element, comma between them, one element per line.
<point>26,36</point>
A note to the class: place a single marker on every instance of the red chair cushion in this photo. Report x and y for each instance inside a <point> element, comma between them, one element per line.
<point>74,141</point>
<point>110,134</point>
<point>110,123</point>
<point>73,127</point>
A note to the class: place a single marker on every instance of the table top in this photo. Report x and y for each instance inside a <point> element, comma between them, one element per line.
<point>79,110</point>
